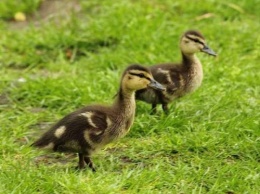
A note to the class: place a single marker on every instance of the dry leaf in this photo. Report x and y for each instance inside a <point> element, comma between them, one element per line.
<point>204,16</point>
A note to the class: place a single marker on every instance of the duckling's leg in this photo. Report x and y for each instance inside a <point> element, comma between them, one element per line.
<point>153,111</point>
<point>89,163</point>
<point>165,108</point>
<point>81,161</point>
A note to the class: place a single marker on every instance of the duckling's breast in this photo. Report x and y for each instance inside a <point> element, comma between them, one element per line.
<point>120,128</point>
<point>194,78</point>
<point>148,95</point>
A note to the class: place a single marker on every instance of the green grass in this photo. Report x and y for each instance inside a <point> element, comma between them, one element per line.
<point>9,8</point>
<point>209,143</point>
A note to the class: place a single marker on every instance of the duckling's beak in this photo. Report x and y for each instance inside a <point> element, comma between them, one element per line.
<point>156,85</point>
<point>208,50</point>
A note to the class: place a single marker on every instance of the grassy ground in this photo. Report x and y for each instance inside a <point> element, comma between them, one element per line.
<point>209,143</point>
<point>8,9</point>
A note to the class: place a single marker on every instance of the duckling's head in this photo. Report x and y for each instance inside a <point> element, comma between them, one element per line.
<point>137,77</point>
<point>192,42</point>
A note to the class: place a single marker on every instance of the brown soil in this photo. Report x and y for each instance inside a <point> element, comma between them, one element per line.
<point>49,10</point>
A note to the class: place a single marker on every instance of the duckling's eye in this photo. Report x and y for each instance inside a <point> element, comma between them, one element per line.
<point>141,75</point>
<point>198,41</point>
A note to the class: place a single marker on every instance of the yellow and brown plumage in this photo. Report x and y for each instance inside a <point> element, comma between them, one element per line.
<point>178,79</point>
<point>92,127</point>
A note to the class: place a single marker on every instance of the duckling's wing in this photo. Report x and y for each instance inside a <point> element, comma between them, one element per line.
<point>168,75</point>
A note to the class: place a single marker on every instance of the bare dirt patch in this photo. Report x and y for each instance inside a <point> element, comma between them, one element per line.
<point>49,10</point>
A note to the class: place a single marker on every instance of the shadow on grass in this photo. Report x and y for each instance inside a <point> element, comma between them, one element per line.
<point>43,53</point>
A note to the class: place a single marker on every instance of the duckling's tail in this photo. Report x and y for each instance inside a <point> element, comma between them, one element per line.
<point>39,143</point>
<point>46,141</point>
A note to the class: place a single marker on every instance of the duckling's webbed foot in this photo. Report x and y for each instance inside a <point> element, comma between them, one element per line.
<point>83,160</point>
<point>89,163</point>
<point>153,111</point>
<point>165,108</point>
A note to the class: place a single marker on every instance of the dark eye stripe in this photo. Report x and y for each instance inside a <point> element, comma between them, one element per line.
<point>195,40</point>
<point>140,75</point>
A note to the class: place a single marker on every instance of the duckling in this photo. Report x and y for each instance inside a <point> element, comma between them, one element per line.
<point>178,79</point>
<point>88,129</point>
